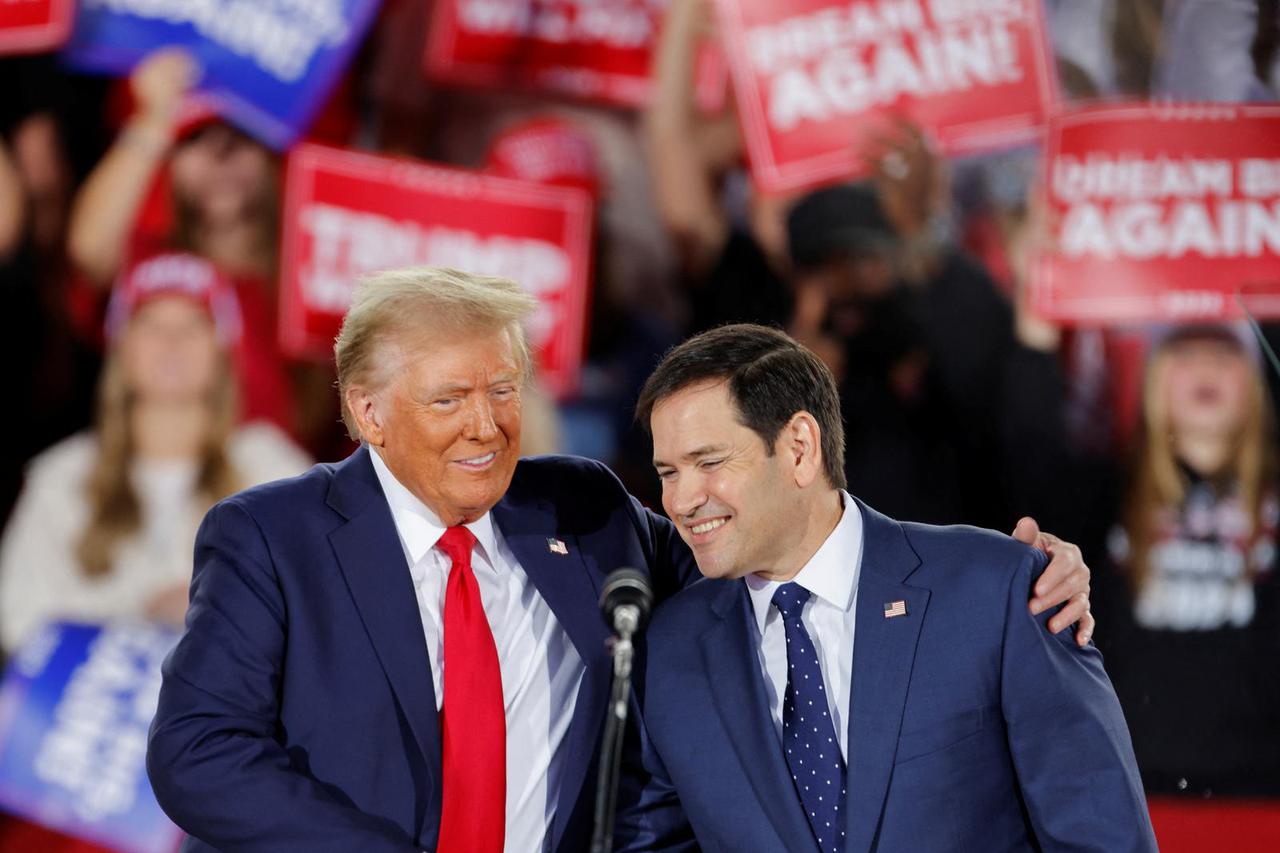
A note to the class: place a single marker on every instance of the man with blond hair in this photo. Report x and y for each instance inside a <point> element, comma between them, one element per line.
<point>403,651</point>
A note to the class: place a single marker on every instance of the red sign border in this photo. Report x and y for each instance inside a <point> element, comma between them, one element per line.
<point>41,37</point>
<point>438,64</point>
<point>360,165</point>
<point>1112,310</point>
<point>823,168</point>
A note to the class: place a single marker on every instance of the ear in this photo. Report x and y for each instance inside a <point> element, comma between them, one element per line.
<point>801,441</point>
<point>366,409</point>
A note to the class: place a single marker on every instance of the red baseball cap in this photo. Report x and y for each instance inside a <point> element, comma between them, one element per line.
<point>195,114</point>
<point>547,150</point>
<point>176,274</point>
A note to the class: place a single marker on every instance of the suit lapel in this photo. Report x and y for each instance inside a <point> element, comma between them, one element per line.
<point>883,654</point>
<point>373,564</point>
<point>733,672</point>
<point>530,528</point>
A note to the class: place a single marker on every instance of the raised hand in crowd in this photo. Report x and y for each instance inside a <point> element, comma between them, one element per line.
<point>689,152</point>
<point>1027,236</point>
<point>913,183</point>
<point>13,204</point>
<point>106,208</point>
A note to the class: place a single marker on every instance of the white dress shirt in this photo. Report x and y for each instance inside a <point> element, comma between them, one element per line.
<point>41,579</point>
<point>541,670</point>
<point>831,576</point>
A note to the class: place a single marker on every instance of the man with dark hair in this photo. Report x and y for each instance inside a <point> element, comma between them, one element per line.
<point>821,691</point>
<point>770,376</point>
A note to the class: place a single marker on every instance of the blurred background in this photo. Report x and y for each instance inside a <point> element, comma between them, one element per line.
<point>164,253</point>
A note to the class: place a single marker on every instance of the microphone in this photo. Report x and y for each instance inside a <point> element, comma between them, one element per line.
<point>626,601</point>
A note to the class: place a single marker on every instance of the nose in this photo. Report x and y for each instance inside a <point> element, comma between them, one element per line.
<point>684,495</point>
<point>480,425</point>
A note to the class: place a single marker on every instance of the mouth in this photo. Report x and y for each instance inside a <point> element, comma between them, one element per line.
<point>477,463</point>
<point>1206,394</point>
<point>705,530</point>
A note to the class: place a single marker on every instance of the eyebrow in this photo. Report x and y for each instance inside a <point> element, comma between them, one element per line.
<point>698,453</point>
<point>455,387</point>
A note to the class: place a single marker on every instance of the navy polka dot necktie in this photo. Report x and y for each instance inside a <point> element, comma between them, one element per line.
<point>808,733</point>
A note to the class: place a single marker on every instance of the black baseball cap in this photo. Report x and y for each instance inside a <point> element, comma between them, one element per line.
<point>837,221</point>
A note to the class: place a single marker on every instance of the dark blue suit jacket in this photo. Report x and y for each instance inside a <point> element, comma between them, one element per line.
<point>298,713</point>
<point>971,727</point>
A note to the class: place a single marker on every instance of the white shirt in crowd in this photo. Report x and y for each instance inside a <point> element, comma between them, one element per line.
<point>541,670</point>
<point>40,576</point>
<point>831,576</point>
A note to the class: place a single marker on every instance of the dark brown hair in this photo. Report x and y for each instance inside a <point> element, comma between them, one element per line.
<point>771,377</point>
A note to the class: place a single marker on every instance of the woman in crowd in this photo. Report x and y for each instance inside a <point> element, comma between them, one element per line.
<point>1183,549</point>
<point>105,524</point>
<point>1193,602</point>
<point>178,178</point>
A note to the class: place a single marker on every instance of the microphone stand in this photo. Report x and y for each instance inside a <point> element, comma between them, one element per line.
<point>626,621</point>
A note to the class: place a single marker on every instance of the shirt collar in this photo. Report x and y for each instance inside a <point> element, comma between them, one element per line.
<point>420,528</point>
<point>831,573</point>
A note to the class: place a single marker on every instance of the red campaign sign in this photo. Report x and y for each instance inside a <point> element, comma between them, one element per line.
<point>593,50</point>
<point>34,26</point>
<point>596,50</point>
<point>1162,212</point>
<point>347,214</point>
<point>812,75</point>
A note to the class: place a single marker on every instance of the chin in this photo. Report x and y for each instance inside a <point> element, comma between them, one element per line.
<point>482,499</point>
<point>714,569</point>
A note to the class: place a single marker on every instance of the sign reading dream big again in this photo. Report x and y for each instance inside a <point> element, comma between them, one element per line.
<point>1167,212</point>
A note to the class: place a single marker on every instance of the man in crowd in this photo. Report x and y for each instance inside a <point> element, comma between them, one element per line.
<point>845,681</point>
<point>404,650</point>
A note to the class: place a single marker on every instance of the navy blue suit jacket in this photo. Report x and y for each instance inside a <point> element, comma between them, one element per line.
<point>971,727</point>
<point>297,711</point>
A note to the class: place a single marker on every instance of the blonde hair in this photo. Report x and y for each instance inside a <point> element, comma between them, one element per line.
<point>114,510</point>
<point>1157,481</point>
<point>394,304</point>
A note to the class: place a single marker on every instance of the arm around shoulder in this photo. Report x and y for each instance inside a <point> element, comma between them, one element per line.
<point>672,566</point>
<point>1067,734</point>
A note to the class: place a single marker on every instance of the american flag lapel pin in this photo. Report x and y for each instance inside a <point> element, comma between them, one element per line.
<point>557,546</point>
<point>895,608</point>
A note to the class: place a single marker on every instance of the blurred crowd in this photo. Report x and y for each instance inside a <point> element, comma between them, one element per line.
<point>139,245</point>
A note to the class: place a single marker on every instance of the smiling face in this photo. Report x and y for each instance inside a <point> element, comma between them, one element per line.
<point>170,351</point>
<point>448,421</point>
<point>740,509</point>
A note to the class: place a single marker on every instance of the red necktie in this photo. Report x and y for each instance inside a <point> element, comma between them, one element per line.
<point>473,723</point>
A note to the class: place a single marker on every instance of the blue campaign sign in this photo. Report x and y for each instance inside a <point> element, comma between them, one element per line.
<point>268,64</point>
<point>75,705</point>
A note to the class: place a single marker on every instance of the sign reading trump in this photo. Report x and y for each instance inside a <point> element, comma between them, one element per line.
<point>810,74</point>
<point>30,26</point>
<point>267,65</point>
<point>1162,212</point>
<point>347,214</point>
<point>74,710</point>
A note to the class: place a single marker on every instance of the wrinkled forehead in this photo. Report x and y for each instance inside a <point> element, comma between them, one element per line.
<point>437,350</point>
